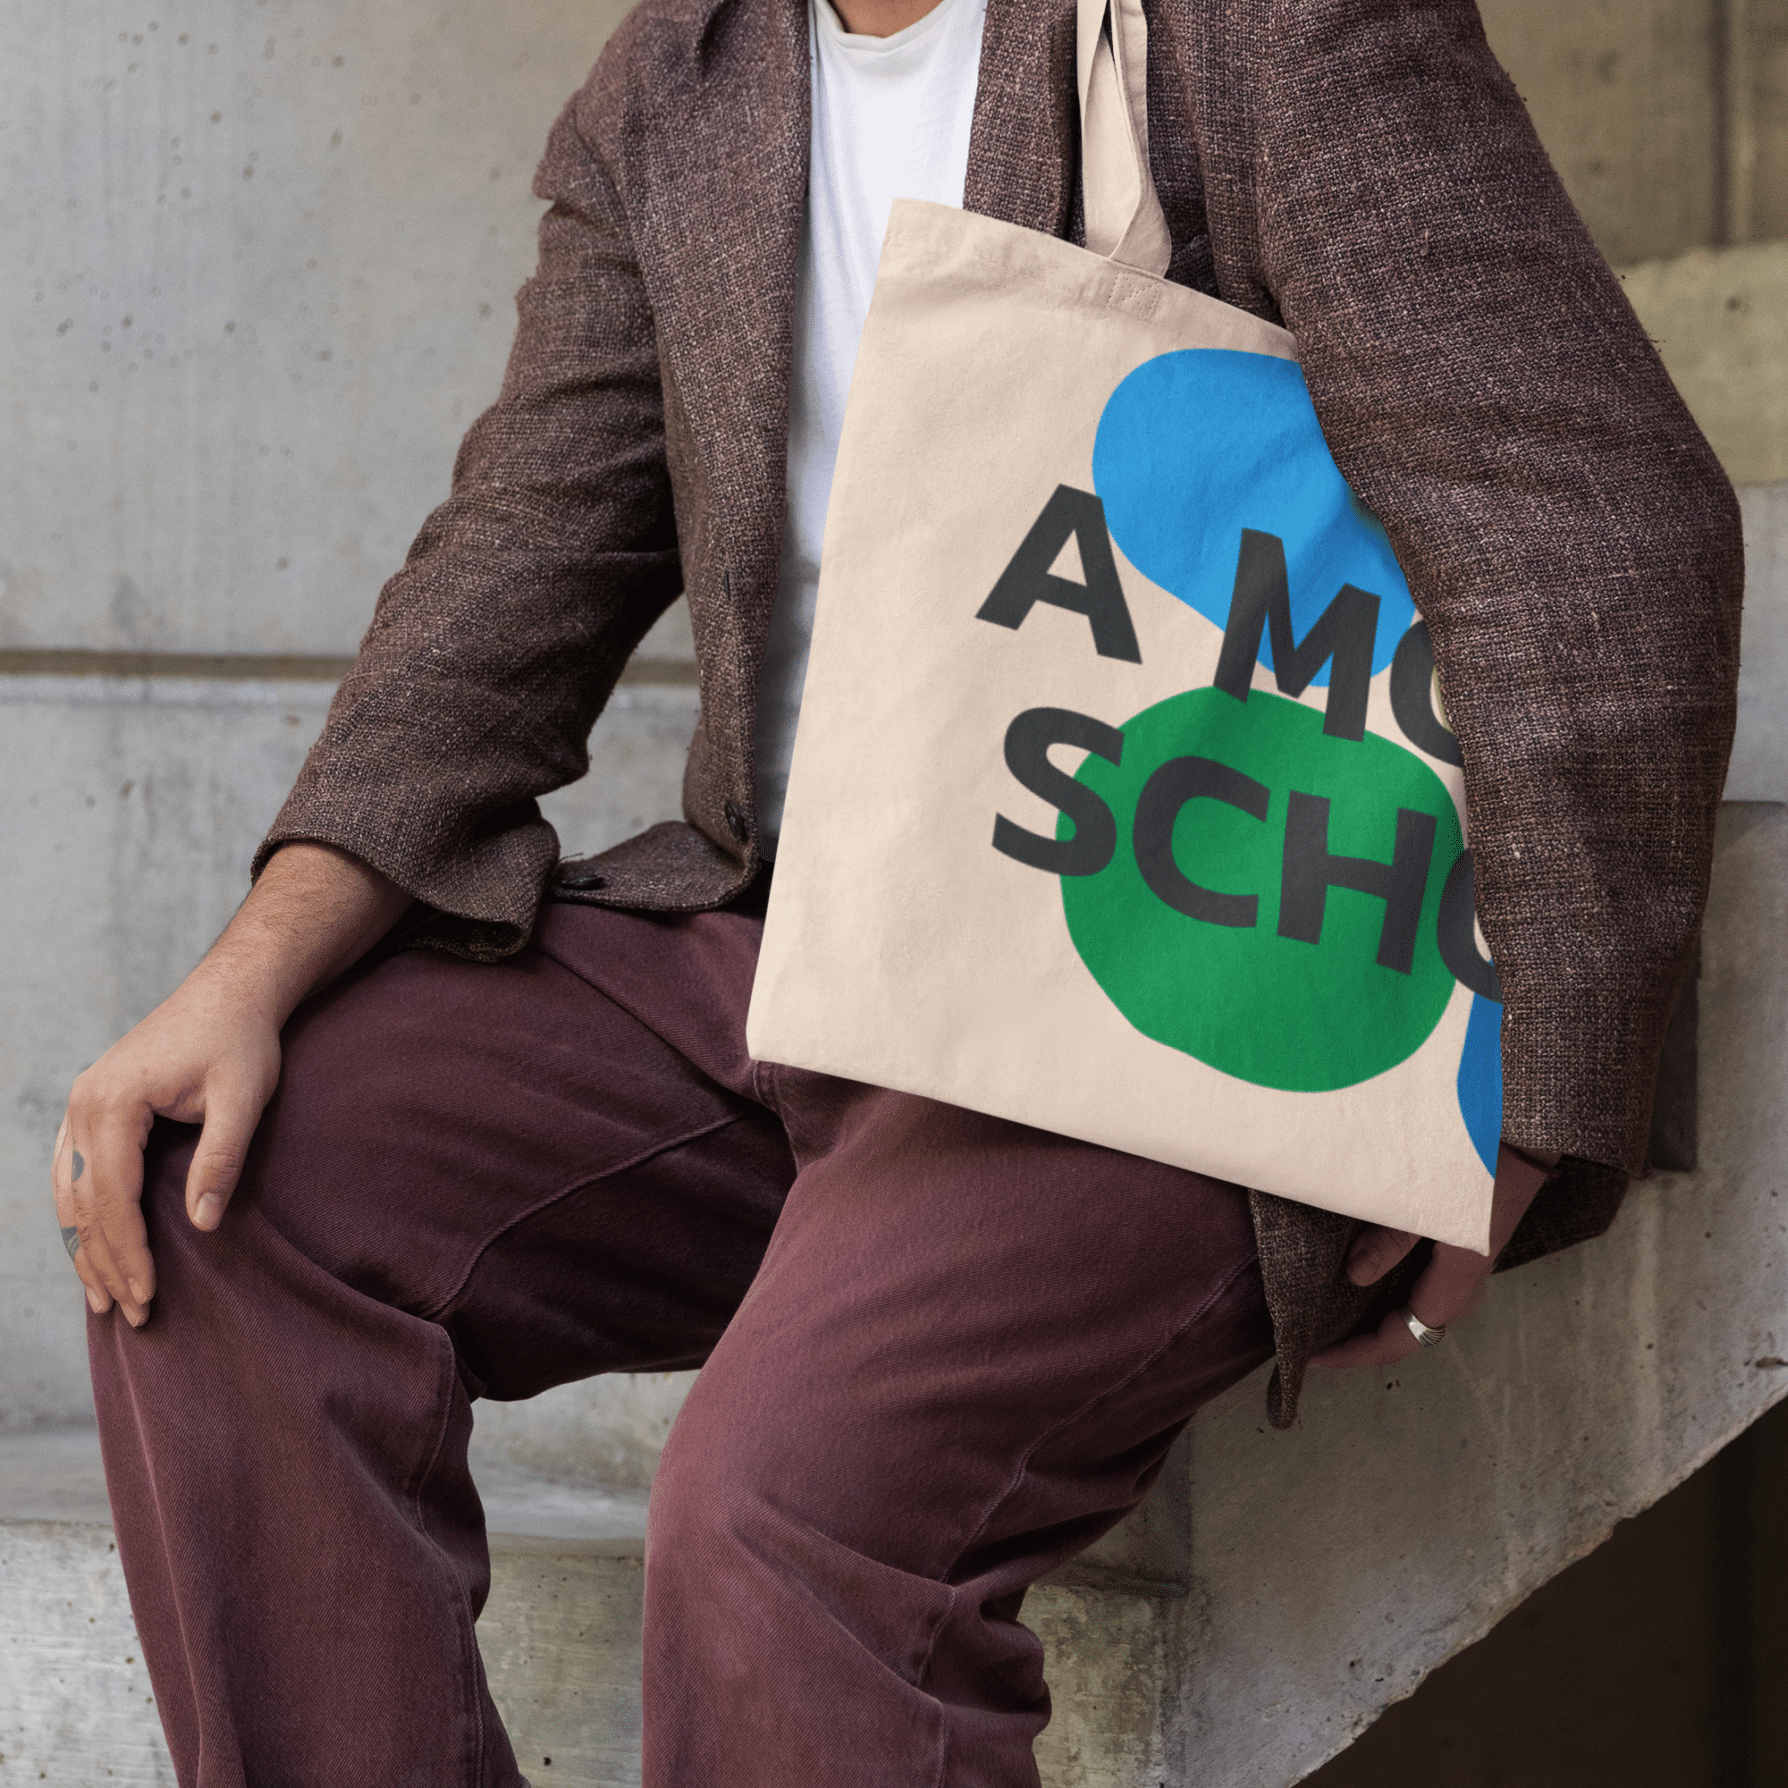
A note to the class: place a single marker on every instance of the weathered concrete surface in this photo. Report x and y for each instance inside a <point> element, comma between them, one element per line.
<point>260,268</point>
<point>560,1637</point>
<point>603,1430</point>
<point>1760,143</point>
<point>561,1647</point>
<point>1111,1663</point>
<point>1336,1565</point>
<point>127,816</point>
<point>75,1701</point>
<point>1759,770</point>
<point>261,260</point>
<point>1720,319</point>
<point>1626,95</point>
<point>1668,119</point>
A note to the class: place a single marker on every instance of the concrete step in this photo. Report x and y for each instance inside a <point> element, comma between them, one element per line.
<point>560,1634</point>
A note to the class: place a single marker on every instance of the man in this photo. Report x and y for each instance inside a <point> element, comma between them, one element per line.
<point>943,1352</point>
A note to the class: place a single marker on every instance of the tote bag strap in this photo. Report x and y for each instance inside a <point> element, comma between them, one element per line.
<point>1123,215</point>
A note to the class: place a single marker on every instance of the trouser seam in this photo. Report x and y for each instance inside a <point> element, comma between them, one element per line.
<point>177,1594</point>
<point>467,1621</point>
<point>1020,1471</point>
<point>634,1010</point>
<point>435,1311</point>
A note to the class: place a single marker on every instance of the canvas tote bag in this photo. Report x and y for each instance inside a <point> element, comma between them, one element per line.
<point>1121,802</point>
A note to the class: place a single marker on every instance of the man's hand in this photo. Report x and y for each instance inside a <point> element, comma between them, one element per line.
<point>1453,1281</point>
<point>209,1054</point>
<point>205,1056</point>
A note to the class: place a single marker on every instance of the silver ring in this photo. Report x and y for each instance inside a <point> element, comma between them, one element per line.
<point>1425,1336</point>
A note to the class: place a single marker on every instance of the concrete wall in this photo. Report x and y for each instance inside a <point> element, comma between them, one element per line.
<point>260,270</point>
<point>1668,119</point>
<point>261,255</point>
<point>1720,319</point>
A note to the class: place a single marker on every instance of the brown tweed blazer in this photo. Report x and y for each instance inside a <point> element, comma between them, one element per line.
<point>1360,170</point>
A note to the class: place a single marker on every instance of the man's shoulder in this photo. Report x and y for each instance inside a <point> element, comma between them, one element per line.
<point>660,33</point>
<point>668,58</point>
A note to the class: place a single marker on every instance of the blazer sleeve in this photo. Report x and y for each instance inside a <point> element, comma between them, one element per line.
<point>1568,534</point>
<point>494,649</point>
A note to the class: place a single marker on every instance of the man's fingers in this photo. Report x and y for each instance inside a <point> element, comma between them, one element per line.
<point>108,1184</point>
<point>209,1055</point>
<point>232,1110</point>
<point>1375,1251</point>
<point>98,1175</point>
<point>1449,1288</point>
<point>1390,1342</point>
<point>91,1250</point>
<point>68,1218</point>
<point>1450,1285</point>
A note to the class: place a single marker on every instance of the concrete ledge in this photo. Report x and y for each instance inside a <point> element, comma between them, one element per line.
<point>76,1707</point>
<point>1759,769</point>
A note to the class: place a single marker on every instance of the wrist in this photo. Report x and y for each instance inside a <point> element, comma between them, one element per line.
<point>313,913</point>
<point>248,974</point>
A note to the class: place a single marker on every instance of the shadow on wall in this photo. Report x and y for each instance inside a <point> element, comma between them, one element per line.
<point>1656,1662</point>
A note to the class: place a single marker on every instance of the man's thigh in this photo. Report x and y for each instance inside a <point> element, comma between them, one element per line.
<point>964,1358</point>
<point>968,1333</point>
<point>505,1150</point>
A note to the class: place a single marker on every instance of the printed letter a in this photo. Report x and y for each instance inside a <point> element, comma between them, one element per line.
<point>1028,580</point>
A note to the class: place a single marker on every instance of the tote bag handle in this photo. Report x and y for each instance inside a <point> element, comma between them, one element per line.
<point>1123,215</point>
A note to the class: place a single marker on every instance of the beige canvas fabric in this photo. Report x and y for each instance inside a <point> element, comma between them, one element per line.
<point>906,949</point>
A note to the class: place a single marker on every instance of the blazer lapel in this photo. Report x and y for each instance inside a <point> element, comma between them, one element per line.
<point>724,218</point>
<point>716,204</point>
<point>718,234</point>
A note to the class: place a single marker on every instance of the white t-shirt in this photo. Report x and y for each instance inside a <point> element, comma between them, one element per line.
<point>891,119</point>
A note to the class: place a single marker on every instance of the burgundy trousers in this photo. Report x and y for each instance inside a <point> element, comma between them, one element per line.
<point>943,1353</point>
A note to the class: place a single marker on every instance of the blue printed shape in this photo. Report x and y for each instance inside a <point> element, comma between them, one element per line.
<point>1196,445</point>
<point>1480,1079</point>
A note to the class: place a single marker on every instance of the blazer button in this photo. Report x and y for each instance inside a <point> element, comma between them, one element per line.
<point>580,878</point>
<point>735,822</point>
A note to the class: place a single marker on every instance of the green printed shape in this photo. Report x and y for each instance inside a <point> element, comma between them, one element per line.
<point>1272,1010</point>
